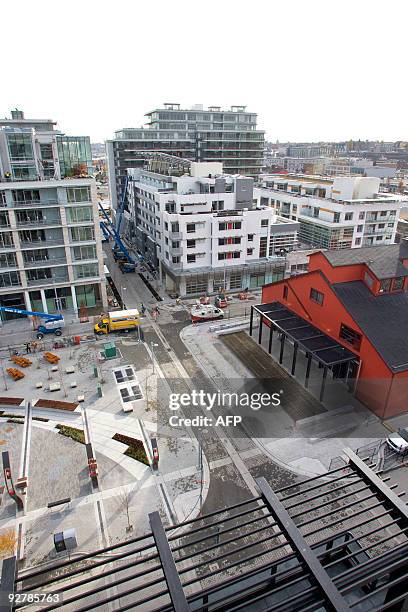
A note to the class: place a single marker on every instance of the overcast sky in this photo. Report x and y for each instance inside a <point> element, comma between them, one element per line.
<point>312,70</point>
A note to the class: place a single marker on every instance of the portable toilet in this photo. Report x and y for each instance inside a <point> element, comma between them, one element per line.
<point>109,350</point>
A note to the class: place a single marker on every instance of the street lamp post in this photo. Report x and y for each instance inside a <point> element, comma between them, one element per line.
<point>152,355</point>
<point>122,292</point>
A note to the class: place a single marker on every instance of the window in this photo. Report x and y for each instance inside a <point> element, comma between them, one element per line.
<point>166,240</point>
<point>84,252</point>
<point>232,240</point>
<point>218,205</point>
<point>176,260</point>
<point>250,251</point>
<point>398,283</point>
<point>191,228</point>
<point>79,214</point>
<point>9,279</point>
<point>20,147</point>
<point>235,281</point>
<point>224,225</point>
<point>229,255</point>
<point>26,195</point>
<point>316,296</point>
<point>250,237</point>
<point>175,244</point>
<point>350,336</point>
<point>368,280</point>
<point>381,225</point>
<point>81,234</point>
<point>385,285</point>
<point>79,194</point>
<point>285,292</point>
<point>360,228</point>
<point>8,260</point>
<point>166,226</point>
<point>86,270</point>
<point>348,216</point>
<point>263,246</point>
<point>191,244</point>
<point>383,213</point>
<point>358,241</point>
<point>191,258</point>
<point>175,227</point>
<point>264,223</point>
<point>361,215</point>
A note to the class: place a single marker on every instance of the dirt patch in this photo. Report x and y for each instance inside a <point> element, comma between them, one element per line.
<point>55,404</point>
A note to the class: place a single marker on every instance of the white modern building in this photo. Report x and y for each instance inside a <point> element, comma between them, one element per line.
<point>50,243</point>
<point>338,213</point>
<point>204,232</point>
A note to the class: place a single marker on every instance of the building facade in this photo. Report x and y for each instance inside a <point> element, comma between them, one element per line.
<point>50,244</point>
<point>204,233</point>
<point>198,134</point>
<point>339,213</point>
<point>358,299</point>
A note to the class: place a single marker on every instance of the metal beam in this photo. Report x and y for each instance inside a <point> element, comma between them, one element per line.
<point>251,320</point>
<point>309,365</point>
<point>323,383</point>
<point>302,549</point>
<point>295,350</point>
<point>8,581</point>
<point>176,592</point>
<point>260,329</point>
<point>371,478</point>
<point>270,338</point>
<point>283,338</point>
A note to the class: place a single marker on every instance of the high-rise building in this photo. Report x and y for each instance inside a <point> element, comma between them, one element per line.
<point>203,232</point>
<point>50,243</point>
<point>198,134</point>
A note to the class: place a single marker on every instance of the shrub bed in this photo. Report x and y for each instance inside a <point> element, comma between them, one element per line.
<point>135,448</point>
<point>72,432</point>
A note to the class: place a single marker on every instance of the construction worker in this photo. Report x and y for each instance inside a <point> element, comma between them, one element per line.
<point>28,347</point>
<point>142,309</point>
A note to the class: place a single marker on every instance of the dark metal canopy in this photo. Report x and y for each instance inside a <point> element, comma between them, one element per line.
<point>321,346</point>
<point>334,542</point>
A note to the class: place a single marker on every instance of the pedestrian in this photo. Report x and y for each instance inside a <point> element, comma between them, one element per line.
<point>34,347</point>
<point>143,309</point>
<point>28,347</point>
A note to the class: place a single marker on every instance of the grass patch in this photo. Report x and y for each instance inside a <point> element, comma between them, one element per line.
<point>19,421</point>
<point>72,432</point>
<point>135,448</point>
<point>5,415</point>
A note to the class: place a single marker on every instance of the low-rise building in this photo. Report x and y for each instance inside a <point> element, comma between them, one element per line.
<point>203,231</point>
<point>338,213</point>
<point>349,313</point>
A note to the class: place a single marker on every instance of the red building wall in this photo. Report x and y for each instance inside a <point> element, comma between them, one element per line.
<point>377,387</point>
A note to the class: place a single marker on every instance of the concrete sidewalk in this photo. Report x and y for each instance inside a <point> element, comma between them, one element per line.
<point>301,446</point>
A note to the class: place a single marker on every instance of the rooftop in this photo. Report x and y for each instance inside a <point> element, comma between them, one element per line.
<point>382,319</point>
<point>384,261</point>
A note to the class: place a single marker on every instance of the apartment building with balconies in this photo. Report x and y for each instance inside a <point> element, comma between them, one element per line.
<point>50,244</point>
<point>334,213</point>
<point>198,134</point>
<point>203,231</point>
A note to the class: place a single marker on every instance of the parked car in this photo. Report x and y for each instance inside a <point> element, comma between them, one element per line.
<point>398,441</point>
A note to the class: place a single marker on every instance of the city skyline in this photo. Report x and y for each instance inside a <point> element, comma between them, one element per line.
<point>327,83</point>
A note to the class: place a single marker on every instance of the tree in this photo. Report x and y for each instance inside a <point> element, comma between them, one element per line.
<point>7,543</point>
<point>124,506</point>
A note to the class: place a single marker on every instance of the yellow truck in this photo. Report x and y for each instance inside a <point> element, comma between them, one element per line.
<point>119,321</point>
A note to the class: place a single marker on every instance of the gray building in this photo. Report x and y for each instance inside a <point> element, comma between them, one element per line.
<point>198,134</point>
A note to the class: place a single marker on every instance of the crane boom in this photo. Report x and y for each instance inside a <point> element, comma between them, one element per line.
<point>42,315</point>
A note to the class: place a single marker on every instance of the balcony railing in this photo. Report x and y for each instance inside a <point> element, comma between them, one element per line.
<point>33,244</point>
<point>36,203</point>
<point>47,281</point>
<point>37,222</point>
<point>40,263</point>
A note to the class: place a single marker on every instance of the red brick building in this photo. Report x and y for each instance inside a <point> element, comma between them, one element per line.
<point>358,300</point>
